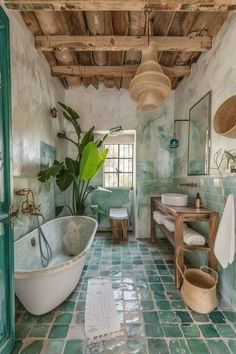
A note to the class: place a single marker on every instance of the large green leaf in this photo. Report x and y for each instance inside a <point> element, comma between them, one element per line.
<point>64,179</point>
<point>88,137</point>
<point>72,166</point>
<point>71,113</point>
<point>91,161</point>
<point>72,116</point>
<point>44,175</point>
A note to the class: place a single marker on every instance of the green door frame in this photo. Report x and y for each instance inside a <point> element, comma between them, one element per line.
<point>7,345</point>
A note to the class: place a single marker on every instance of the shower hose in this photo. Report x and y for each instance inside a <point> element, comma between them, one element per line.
<point>46,253</point>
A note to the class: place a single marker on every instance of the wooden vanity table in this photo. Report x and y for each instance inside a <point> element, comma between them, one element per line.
<point>181,215</point>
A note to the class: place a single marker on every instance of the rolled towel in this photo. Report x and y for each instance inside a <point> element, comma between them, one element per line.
<point>169,224</point>
<point>193,238</point>
<point>158,216</point>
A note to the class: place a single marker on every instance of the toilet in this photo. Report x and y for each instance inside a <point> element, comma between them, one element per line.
<point>119,223</point>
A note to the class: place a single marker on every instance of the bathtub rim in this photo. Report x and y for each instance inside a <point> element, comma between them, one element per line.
<point>21,274</point>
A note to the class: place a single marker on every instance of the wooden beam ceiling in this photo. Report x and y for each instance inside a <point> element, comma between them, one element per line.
<point>122,43</point>
<point>122,5</point>
<point>116,71</point>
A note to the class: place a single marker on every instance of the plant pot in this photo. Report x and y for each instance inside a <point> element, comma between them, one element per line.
<point>80,209</point>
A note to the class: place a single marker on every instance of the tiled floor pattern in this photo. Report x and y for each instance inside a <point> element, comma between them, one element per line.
<point>153,317</point>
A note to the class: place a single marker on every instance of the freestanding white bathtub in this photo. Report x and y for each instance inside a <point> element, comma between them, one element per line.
<point>40,289</point>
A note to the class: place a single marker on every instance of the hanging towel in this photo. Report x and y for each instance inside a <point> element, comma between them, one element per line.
<point>225,238</point>
<point>193,238</point>
<point>158,216</point>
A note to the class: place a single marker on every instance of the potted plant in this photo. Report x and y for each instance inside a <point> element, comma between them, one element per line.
<point>77,173</point>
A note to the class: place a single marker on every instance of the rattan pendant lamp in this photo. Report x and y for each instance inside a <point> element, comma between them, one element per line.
<point>150,86</point>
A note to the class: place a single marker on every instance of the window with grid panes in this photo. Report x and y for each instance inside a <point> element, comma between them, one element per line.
<point>118,167</point>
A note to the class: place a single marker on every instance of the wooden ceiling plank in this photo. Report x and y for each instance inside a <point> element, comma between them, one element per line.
<point>123,43</point>
<point>108,71</point>
<point>207,24</point>
<point>50,23</point>
<point>121,5</point>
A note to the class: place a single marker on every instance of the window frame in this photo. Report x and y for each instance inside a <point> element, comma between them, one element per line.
<point>118,173</point>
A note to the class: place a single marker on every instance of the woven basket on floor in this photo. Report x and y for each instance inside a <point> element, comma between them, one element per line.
<point>199,289</point>
<point>225,118</point>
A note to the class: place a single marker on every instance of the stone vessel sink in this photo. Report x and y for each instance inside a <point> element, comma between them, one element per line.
<point>174,199</point>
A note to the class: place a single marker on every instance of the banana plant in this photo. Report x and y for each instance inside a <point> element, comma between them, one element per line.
<point>77,173</point>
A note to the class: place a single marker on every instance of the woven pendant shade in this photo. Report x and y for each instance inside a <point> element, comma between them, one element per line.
<point>150,86</point>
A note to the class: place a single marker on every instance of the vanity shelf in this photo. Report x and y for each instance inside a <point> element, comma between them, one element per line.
<point>181,215</point>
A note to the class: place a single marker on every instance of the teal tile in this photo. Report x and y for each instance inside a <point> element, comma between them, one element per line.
<point>67,306</point>
<point>183,316</point>
<point>147,305</point>
<point>27,319</point>
<point>150,317</point>
<point>198,317</point>
<point>22,331</point>
<point>39,330</point>
<point>153,330</point>
<point>217,317</point>
<point>33,348</point>
<point>64,318</point>
<point>167,316</point>
<point>48,318</point>
<point>208,330</point>
<point>225,330</point>
<point>163,305</point>
<point>190,330</point>
<point>134,330</point>
<point>218,347</point>
<point>80,317</point>
<point>232,345</point>
<point>178,346</point>
<point>74,347</point>
<point>137,346</point>
<point>197,346</point>
<point>230,315</point>
<point>17,347</point>
<point>178,304</point>
<point>58,331</point>
<point>157,346</point>
<point>172,330</point>
<point>55,346</point>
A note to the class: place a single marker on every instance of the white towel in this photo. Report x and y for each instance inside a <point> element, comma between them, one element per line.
<point>225,238</point>
<point>169,224</point>
<point>158,216</point>
<point>193,238</point>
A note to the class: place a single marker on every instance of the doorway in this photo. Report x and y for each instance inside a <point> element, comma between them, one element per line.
<point>6,234</point>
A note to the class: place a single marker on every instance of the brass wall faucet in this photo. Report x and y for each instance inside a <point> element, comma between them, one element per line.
<point>28,206</point>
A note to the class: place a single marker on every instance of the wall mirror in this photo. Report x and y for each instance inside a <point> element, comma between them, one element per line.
<point>199,137</point>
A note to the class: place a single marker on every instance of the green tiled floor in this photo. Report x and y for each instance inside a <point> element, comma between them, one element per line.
<point>154,319</point>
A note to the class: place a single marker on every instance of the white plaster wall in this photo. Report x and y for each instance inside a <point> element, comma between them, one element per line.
<point>215,71</point>
<point>34,92</point>
<point>104,108</point>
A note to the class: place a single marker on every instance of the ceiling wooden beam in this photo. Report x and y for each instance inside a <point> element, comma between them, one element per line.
<point>120,5</point>
<point>122,43</point>
<point>125,70</point>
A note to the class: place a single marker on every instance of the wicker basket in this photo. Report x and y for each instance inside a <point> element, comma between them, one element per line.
<point>199,289</point>
<point>225,118</point>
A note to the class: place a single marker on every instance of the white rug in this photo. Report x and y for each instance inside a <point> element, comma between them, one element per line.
<point>101,318</point>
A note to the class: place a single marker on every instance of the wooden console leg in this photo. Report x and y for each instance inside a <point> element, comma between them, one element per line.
<point>152,224</point>
<point>213,223</point>
<point>179,250</point>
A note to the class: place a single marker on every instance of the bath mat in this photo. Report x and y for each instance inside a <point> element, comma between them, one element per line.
<point>101,318</point>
